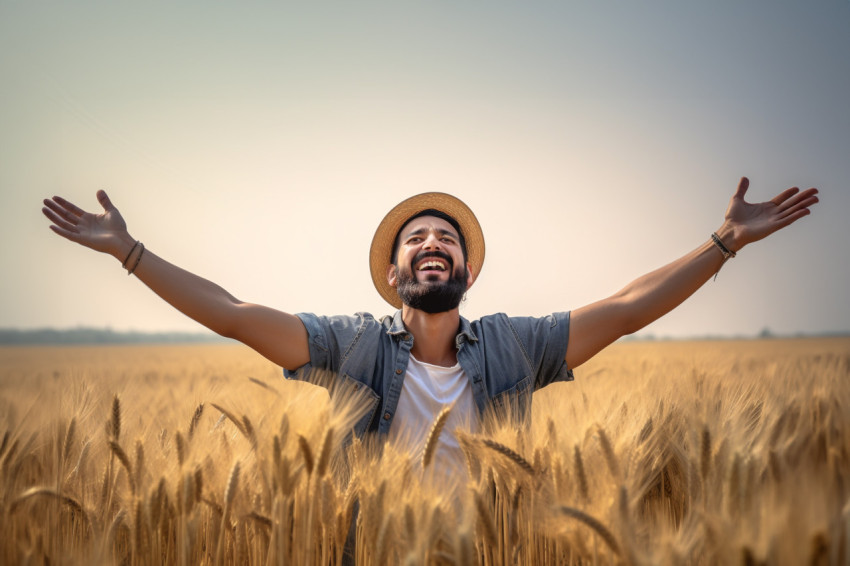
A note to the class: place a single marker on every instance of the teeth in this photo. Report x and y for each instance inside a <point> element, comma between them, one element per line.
<point>432,265</point>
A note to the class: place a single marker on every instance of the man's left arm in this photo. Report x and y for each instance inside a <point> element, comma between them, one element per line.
<point>650,297</point>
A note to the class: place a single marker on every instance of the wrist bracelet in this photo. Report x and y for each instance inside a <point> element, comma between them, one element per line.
<point>727,253</point>
<point>126,259</point>
<point>138,259</point>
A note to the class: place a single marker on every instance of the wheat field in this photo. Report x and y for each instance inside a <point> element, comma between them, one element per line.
<point>720,452</point>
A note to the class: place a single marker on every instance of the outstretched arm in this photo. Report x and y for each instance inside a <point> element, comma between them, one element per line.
<point>278,336</point>
<point>648,298</point>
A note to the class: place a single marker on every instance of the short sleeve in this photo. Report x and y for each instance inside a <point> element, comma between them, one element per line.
<point>328,338</point>
<point>545,342</point>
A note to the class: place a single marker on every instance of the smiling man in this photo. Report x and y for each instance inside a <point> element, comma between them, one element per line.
<point>425,254</point>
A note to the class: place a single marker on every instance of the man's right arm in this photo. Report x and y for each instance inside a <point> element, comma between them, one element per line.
<point>279,336</point>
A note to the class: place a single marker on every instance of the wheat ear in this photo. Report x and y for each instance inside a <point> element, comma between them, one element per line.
<point>125,461</point>
<point>181,448</point>
<point>232,485</point>
<point>510,454</point>
<point>236,422</point>
<point>116,418</point>
<point>69,440</point>
<point>594,524</point>
<point>140,461</point>
<point>325,453</point>
<point>229,495</point>
<point>580,473</point>
<point>196,417</point>
<point>250,433</point>
<point>434,435</point>
<point>307,453</point>
<point>705,453</point>
<point>608,452</point>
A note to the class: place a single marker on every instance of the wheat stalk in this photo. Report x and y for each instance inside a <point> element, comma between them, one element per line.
<point>229,496</point>
<point>485,519</point>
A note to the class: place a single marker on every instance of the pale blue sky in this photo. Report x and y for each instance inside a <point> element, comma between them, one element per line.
<point>259,144</point>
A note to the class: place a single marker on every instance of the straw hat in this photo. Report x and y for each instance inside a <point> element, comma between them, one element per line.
<point>384,239</point>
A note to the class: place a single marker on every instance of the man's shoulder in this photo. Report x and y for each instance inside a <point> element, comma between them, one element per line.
<point>342,323</point>
<point>519,323</point>
<point>502,318</point>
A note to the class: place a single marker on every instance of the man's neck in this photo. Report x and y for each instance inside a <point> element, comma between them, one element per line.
<point>433,335</point>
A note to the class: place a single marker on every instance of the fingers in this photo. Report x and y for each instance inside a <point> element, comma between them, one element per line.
<point>58,219</point>
<point>793,217</point>
<point>60,212</point>
<point>743,185</point>
<point>784,196</point>
<point>800,202</point>
<point>70,207</point>
<point>73,236</point>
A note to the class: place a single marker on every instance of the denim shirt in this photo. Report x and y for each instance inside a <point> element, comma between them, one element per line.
<point>504,358</point>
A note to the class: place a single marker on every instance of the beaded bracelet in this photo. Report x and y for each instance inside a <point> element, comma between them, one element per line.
<point>126,259</point>
<point>138,259</point>
<point>727,253</point>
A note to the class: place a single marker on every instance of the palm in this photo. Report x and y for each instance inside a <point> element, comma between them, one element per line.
<point>102,232</point>
<point>752,222</point>
<point>101,227</point>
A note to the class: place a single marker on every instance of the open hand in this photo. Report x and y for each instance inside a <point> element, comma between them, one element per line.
<point>751,222</point>
<point>106,232</point>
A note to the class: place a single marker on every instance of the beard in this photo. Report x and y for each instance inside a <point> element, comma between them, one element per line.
<point>431,296</point>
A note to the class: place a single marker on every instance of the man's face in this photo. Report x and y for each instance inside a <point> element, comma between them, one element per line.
<point>430,274</point>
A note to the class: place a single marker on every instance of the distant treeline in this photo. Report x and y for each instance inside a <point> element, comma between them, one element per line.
<point>48,336</point>
<point>11,336</point>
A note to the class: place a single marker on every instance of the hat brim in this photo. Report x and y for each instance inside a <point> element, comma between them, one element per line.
<point>380,253</point>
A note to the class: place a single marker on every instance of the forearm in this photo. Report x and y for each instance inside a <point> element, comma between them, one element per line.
<point>653,295</point>
<point>279,336</point>
<point>644,300</point>
<point>648,298</point>
<point>196,297</point>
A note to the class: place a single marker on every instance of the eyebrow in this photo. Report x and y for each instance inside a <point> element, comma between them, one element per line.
<point>441,231</point>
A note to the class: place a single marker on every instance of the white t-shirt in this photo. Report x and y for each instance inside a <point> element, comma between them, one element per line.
<point>426,390</point>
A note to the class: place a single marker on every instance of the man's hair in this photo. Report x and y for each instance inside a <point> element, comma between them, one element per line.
<point>437,214</point>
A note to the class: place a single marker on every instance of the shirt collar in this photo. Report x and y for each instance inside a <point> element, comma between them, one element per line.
<point>397,329</point>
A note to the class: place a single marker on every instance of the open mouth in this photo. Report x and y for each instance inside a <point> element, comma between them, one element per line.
<point>433,265</point>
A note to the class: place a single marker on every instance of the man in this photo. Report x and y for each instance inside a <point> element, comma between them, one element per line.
<point>425,254</point>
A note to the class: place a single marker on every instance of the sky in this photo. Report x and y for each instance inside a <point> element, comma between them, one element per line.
<point>259,144</point>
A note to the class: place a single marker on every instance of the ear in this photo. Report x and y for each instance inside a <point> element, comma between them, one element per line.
<point>392,275</point>
<point>470,278</point>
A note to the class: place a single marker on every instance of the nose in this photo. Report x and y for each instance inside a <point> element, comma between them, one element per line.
<point>432,241</point>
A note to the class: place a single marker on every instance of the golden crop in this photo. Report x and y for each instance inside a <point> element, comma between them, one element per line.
<point>725,452</point>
